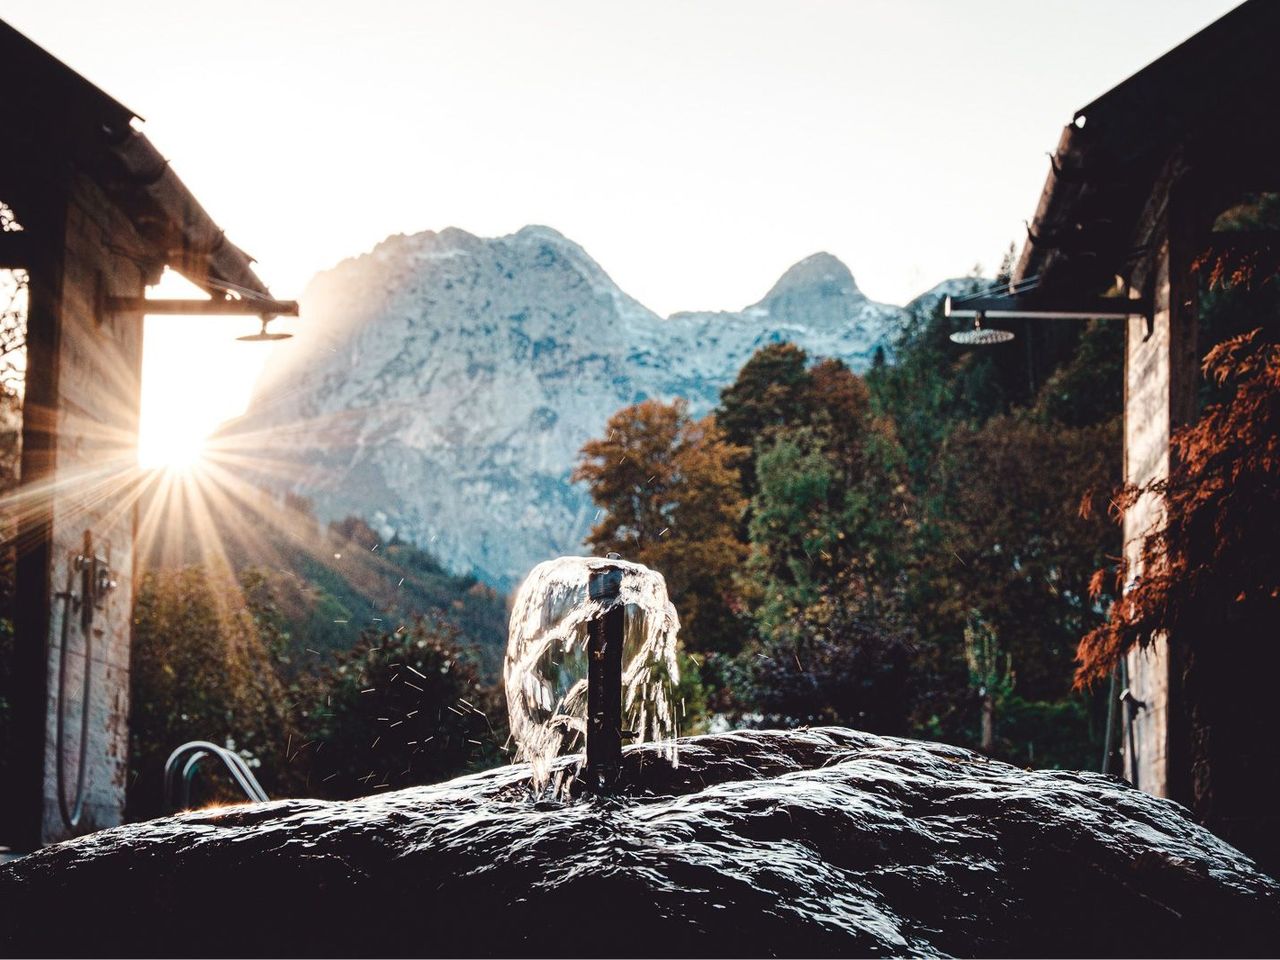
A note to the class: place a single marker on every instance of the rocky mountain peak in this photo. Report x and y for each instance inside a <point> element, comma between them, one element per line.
<point>442,384</point>
<point>540,233</point>
<point>819,275</point>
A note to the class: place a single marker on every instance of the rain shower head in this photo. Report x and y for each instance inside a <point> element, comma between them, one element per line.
<point>262,335</point>
<point>980,336</point>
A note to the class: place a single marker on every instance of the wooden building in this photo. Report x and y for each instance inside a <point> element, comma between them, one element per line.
<point>1137,188</point>
<point>98,215</point>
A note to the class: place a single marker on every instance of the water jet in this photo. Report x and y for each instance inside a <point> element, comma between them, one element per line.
<point>591,661</point>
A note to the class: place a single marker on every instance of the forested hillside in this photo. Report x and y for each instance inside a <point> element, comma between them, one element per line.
<point>904,551</point>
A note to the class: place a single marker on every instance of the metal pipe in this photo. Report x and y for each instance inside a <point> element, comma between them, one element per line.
<point>1130,715</point>
<point>188,774</point>
<point>235,763</point>
<point>1108,739</point>
<point>1028,314</point>
<point>217,307</point>
<point>199,749</point>
<point>604,682</point>
<point>246,777</point>
<point>1030,304</point>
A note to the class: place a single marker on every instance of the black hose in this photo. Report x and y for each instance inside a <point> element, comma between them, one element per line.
<point>72,813</point>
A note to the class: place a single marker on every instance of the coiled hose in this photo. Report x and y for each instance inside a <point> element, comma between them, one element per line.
<point>72,812</point>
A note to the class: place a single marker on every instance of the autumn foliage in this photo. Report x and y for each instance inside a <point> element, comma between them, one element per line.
<point>1216,558</point>
<point>671,486</point>
<point>828,537</point>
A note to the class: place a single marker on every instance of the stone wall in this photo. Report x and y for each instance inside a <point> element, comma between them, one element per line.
<point>1146,458</point>
<point>1161,377</point>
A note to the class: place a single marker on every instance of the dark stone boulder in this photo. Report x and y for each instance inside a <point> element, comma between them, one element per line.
<point>813,842</point>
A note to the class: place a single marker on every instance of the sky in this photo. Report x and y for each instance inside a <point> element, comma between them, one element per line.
<point>695,148</point>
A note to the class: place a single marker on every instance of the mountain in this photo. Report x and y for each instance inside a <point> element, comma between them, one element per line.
<point>441,385</point>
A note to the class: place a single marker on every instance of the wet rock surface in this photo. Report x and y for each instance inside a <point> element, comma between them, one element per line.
<point>816,842</point>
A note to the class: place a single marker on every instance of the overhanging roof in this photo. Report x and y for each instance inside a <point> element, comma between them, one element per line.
<point>55,115</point>
<point>1216,92</point>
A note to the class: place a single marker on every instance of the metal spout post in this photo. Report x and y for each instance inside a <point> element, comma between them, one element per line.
<point>604,683</point>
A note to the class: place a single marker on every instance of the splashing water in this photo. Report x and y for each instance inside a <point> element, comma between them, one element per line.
<point>546,665</point>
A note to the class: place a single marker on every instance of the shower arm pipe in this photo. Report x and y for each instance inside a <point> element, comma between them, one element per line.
<point>1020,306</point>
<point>215,307</point>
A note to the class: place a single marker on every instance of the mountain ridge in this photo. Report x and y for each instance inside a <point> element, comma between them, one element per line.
<point>442,383</point>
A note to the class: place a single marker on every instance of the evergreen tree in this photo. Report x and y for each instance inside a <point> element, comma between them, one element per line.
<point>767,396</point>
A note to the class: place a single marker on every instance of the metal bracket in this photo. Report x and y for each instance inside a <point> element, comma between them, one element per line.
<point>1132,702</point>
<point>96,581</point>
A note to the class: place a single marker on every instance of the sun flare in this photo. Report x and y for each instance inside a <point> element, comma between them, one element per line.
<point>195,376</point>
<point>171,446</point>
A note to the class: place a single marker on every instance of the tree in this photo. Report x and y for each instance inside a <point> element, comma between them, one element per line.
<point>202,668</point>
<point>944,482</point>
<point>831,504</point>
<point>670,499</point>
<point>1023,556</point>
<point>400,708</point>
<point>795,529</point>
<point>210,663</point>
<point>1216,556</point>
<point>998,446</point>
<point>828,665</point>
<point>767,396</point>
<point>990,673</point>
<point>828,526</point>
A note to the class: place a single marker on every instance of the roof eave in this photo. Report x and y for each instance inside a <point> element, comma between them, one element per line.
<point>191,242</point>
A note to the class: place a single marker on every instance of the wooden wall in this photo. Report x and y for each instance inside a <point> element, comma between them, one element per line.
<point>93,458</point>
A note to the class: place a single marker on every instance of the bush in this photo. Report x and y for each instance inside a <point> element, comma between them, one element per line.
<point>202,669</point>
<point>399,709</point>
<point>827,665</point>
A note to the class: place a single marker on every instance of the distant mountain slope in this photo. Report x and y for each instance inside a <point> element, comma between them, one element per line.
<point>442,384</point>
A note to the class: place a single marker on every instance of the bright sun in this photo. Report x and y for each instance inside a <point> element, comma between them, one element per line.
<point>195,376</point>
<point>171,446</point>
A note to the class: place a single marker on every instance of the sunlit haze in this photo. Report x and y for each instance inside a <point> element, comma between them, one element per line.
<point>195,375</point>
<point>694,149</point>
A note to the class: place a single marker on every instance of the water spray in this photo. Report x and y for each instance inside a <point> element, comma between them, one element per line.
<point>591,661</point>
